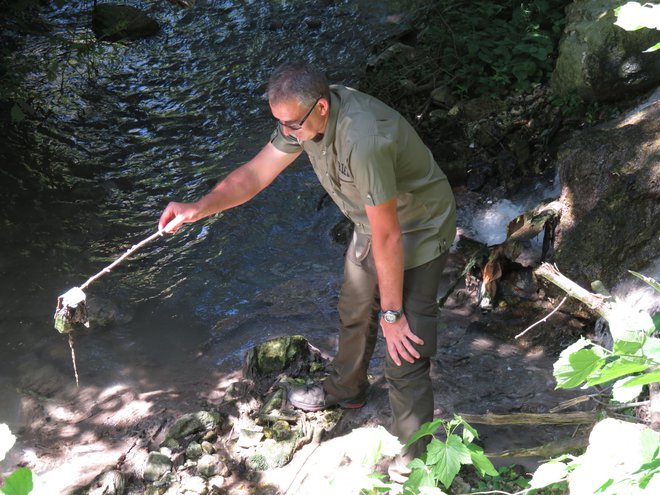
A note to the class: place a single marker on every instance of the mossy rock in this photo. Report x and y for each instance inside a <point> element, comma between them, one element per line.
<point>277,355</point>
<point>194,423</point>
<point>272,454</point>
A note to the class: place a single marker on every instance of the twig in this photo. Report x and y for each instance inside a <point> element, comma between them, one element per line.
<point>122,258</point>
<point>571,402</point>
<point>295,476</point>
<point>621,407</point>
<point>521,492</point>
<point>73,358</point>
<point>542,320</point>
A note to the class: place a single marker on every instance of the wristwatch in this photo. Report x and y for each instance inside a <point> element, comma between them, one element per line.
<point>390,315</point>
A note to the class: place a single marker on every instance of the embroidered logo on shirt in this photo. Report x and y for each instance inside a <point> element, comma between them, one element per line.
<point>344,172</point>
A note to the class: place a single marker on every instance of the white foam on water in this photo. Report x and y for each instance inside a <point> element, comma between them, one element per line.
<point>489,225</point>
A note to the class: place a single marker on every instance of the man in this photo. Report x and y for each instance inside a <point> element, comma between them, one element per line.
<point>380,174</point>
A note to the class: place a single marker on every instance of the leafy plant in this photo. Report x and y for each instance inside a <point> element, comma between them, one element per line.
<point>444,458</point>
<point>633,362</point>
<point>476,48</point>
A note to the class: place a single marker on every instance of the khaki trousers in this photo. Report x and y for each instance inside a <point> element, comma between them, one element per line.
<point>410,387</point>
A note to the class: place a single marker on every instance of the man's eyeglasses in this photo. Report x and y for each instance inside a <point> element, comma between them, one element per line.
<point>297,126</point>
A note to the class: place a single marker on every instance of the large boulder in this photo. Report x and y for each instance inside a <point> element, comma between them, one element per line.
<point>601,61</point>
<point>610,178</point>
<point>112,22</point>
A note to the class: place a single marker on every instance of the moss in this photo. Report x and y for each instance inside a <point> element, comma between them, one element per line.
<point>277,354</point>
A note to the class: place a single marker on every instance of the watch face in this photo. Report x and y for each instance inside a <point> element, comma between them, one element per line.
<point>390,317</point>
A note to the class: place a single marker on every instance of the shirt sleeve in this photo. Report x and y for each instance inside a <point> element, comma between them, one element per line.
<point>372,167</point>
<point>286,144</point>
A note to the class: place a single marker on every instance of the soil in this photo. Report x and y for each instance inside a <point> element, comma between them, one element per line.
<point>72,435</point>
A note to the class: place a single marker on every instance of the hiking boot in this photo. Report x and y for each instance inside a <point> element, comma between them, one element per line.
<point>314,398</point>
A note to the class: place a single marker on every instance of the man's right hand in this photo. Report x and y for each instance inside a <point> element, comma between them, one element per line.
<point>176,214</point>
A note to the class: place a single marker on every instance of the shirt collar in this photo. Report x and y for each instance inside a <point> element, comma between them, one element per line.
<point>331,126</point>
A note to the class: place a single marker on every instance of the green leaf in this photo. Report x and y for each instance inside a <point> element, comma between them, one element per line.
<point>626,347</point>
<point>648,440</point>
<point>573,369</point>
<point>419,476</point>
<point>427,429</point>
<point>654,48</point>
<point>451,455</point>
<point>616,369</point>
<point>481,462</point>
<point>656,318</point>
<point>430,490</point>
<point>651,349</point>
<point>18,483</point>
<point>622,393</point>
<point>469,433</point>
<point>605,486</point>
<point>633,16</point>
<point>644,379</point>
<point>548,473</point>
<point>434,451</point>
<point>648,470</point>
<point>651,281</point>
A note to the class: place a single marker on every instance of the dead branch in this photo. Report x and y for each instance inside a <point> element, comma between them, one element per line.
<point>571,418</point>
<point>595,302</point>
<point>571,402</point>
<point>551,449</point>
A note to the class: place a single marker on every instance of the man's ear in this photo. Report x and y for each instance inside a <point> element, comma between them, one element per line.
<point>324,106</point>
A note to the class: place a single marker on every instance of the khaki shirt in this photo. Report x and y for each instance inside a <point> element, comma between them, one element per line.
<point>370,154</point>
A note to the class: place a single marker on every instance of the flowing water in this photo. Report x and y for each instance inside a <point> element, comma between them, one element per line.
<point>132,128</point>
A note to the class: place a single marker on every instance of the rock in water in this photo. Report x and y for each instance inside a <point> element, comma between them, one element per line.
<point>121,22</point>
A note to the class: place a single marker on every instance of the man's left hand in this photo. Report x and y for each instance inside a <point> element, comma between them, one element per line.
<point>400,339</point>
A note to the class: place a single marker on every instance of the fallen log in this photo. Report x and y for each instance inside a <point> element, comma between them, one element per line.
<point>571,418</point>
<point>548,450</point>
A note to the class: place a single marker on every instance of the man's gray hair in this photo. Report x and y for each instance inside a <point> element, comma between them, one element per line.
<point>297,80</point>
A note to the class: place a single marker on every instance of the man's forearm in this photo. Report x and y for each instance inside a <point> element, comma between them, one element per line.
<point>235,189</point>
<point>389,259</point>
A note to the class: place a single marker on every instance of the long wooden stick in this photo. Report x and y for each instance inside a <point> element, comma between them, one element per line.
<point>122,258</point>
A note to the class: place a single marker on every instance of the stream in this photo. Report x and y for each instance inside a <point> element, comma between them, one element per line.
<point>163,119</point>
<point>147,122</point>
